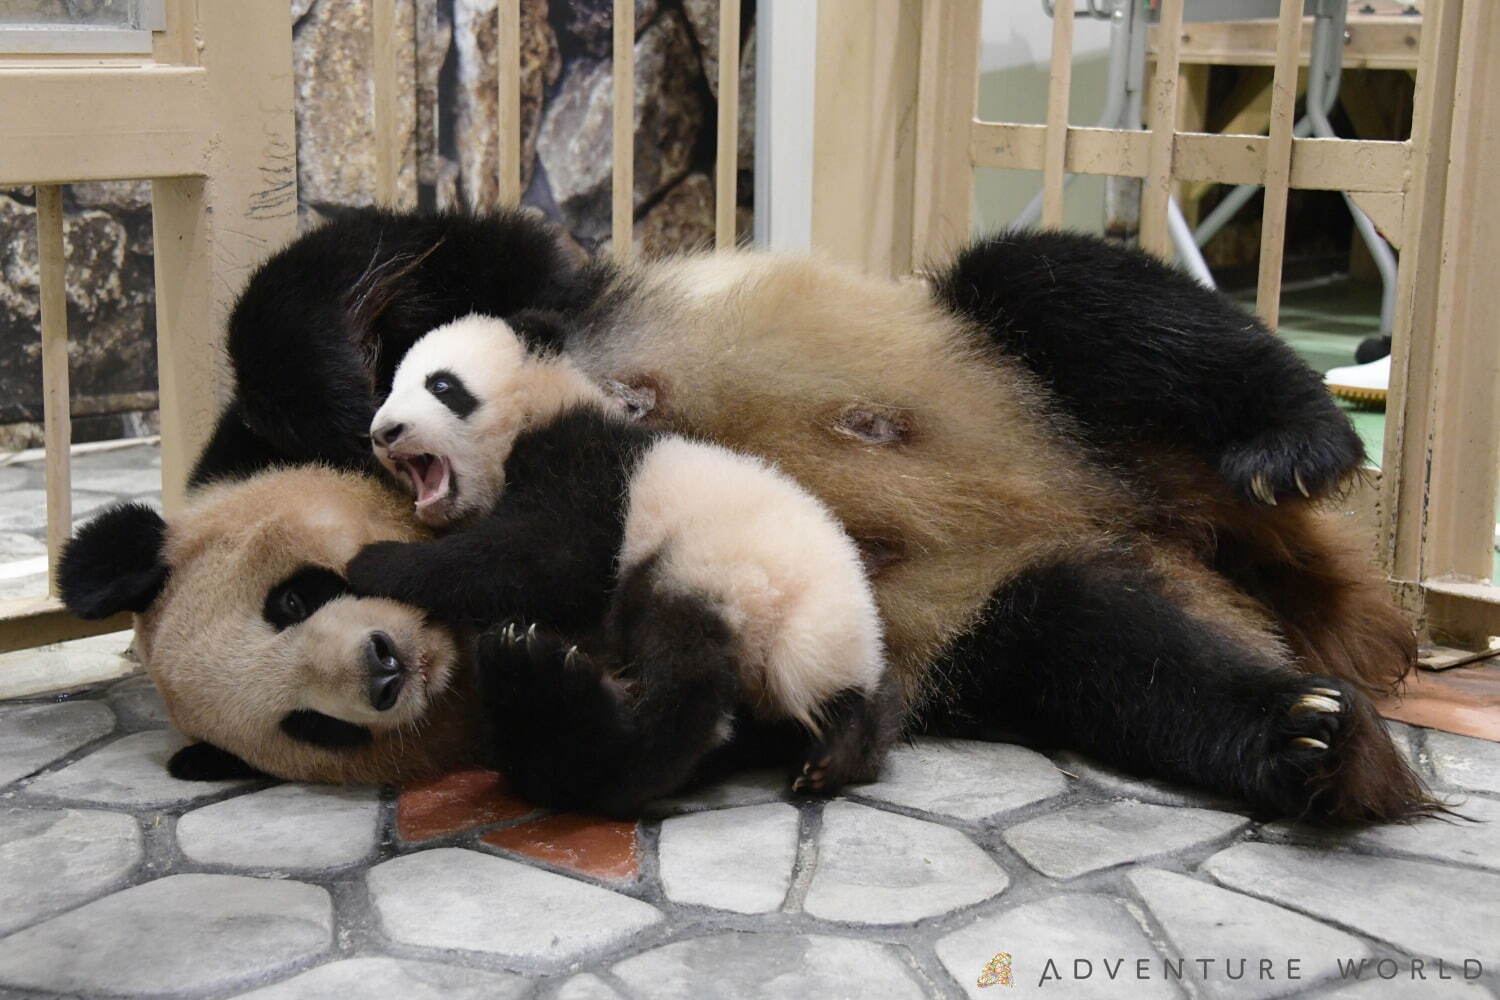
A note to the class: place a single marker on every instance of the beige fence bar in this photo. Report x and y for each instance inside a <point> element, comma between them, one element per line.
<point>622,194</point>
<point>1278,172</point>
<point>1355,165</point>
<point>387,142</point>
<point>726,158</point>
<point>508,100</point>
<point>1157,187</point>
<point>57,431</point>
<point>1059,85</point>
<point>947,89</point>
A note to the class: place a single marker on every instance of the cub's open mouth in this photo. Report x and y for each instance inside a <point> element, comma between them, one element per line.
<point>431,477</point>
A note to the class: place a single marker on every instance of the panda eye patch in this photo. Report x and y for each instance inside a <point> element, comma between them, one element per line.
<point>448,389</point>
<point>296,598</point>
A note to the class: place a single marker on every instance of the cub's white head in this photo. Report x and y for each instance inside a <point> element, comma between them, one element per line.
<point>459,399</point>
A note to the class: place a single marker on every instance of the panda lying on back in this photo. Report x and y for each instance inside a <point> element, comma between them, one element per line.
<point>674,582</point>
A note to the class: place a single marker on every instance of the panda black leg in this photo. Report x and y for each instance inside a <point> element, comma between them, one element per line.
<point>858,728</point>
<point>1091,653</point>
<point>1137,351</point>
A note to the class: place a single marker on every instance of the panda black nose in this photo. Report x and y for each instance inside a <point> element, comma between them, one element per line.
<point>388,435</point>
<point>387,675</point>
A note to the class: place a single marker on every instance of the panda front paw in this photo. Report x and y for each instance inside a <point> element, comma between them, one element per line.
<point>380,569</point>
<point>1305,462</point>
<point>553,718</point>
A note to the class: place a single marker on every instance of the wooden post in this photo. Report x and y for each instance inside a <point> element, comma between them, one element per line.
<point>1279,162</point>
<point>947,91</point>
<point>388,145</point>
<point>212,230</point>
<point>1157,187</point>
<point>56,426</point>
<point>508,100</point>
<point>1444,423</point>
<point>726,157</point>
<point>1059,84</point>
<point>622,191</point>
<point>864,134</point>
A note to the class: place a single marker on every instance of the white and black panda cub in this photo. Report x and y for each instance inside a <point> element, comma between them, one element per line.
<point>645,594</point>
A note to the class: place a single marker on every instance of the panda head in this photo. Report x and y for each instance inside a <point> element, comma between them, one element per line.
<point>257,648</point>
<point>459,399</point>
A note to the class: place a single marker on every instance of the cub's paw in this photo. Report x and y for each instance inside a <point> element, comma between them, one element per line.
<point>1306,462</point>
<point>377,570</point>
<point>839,758</point>
<point>1328,757</point>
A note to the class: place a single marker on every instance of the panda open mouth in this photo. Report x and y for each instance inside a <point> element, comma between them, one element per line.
<point>431,477</point>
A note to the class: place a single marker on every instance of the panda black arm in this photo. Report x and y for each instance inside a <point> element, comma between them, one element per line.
<point>1139,351</point>
<point>547,552</point>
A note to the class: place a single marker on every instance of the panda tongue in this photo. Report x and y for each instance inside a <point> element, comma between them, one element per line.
<point>432,481</point>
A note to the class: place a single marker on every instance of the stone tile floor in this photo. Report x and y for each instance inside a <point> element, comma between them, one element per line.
<point>116,879</point>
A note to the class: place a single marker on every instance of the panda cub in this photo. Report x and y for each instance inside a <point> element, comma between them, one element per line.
<point>678,590</point>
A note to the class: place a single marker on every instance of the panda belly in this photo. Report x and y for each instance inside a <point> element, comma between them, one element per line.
<point>787,580</point>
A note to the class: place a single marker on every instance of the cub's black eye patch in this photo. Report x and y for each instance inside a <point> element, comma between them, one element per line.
<point>448,389</point>
<point>299,595</point>
<point>319,730</point>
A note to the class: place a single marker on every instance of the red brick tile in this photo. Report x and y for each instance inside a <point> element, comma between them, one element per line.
<point>588,845</point>
<point>458,801</point>
<point>1463,700</point>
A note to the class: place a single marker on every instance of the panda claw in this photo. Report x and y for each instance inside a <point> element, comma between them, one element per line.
<point>1310,703</point>
<point>1309,743</point>
<point>1325,692</point>
<point>570,659</point>
<point>1301,486</point>
<point>1262,489</point>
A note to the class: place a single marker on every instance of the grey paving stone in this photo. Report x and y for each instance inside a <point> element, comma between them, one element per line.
<point>587,987</point>
<point>453,898</point>
<point>138,704</point>
<point>1430,987</point>
<point>131,771</point>
<point>284,828</point>
<point>65,665</point>
<point>1465,762</point>
<point>122,482</point>
<point>965,779</point>
<point>744,789</point>
<point>876,867</point>
<point>380,978</point>
<point>16,545</point>
<point>1419,907</point>
<point>1457,841</point>
<point>33,736</point>
<point>1059,931</point>
<point>733,859</point>
<point>1238,933</point>
<point>1086,838</point>
<point>14,477</point>
<point>52,859</point>
<point>26,510</point>
<point>178,934</point>
<point>1122,785</point>
<point>744,965</point>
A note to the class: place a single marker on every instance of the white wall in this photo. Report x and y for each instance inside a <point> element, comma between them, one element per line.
<point>1019,33</point>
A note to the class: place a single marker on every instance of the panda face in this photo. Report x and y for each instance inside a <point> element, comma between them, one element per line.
<point>459,399</point>
<point>258,648</point>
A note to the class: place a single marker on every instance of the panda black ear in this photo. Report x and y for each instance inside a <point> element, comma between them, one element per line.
<point>114,563</point>
<point>206,762</point>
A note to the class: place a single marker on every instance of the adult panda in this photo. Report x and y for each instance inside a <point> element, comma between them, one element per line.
<point>1085,486</point>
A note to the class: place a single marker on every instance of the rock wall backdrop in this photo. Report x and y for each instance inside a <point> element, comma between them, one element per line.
<point>447,113</point>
